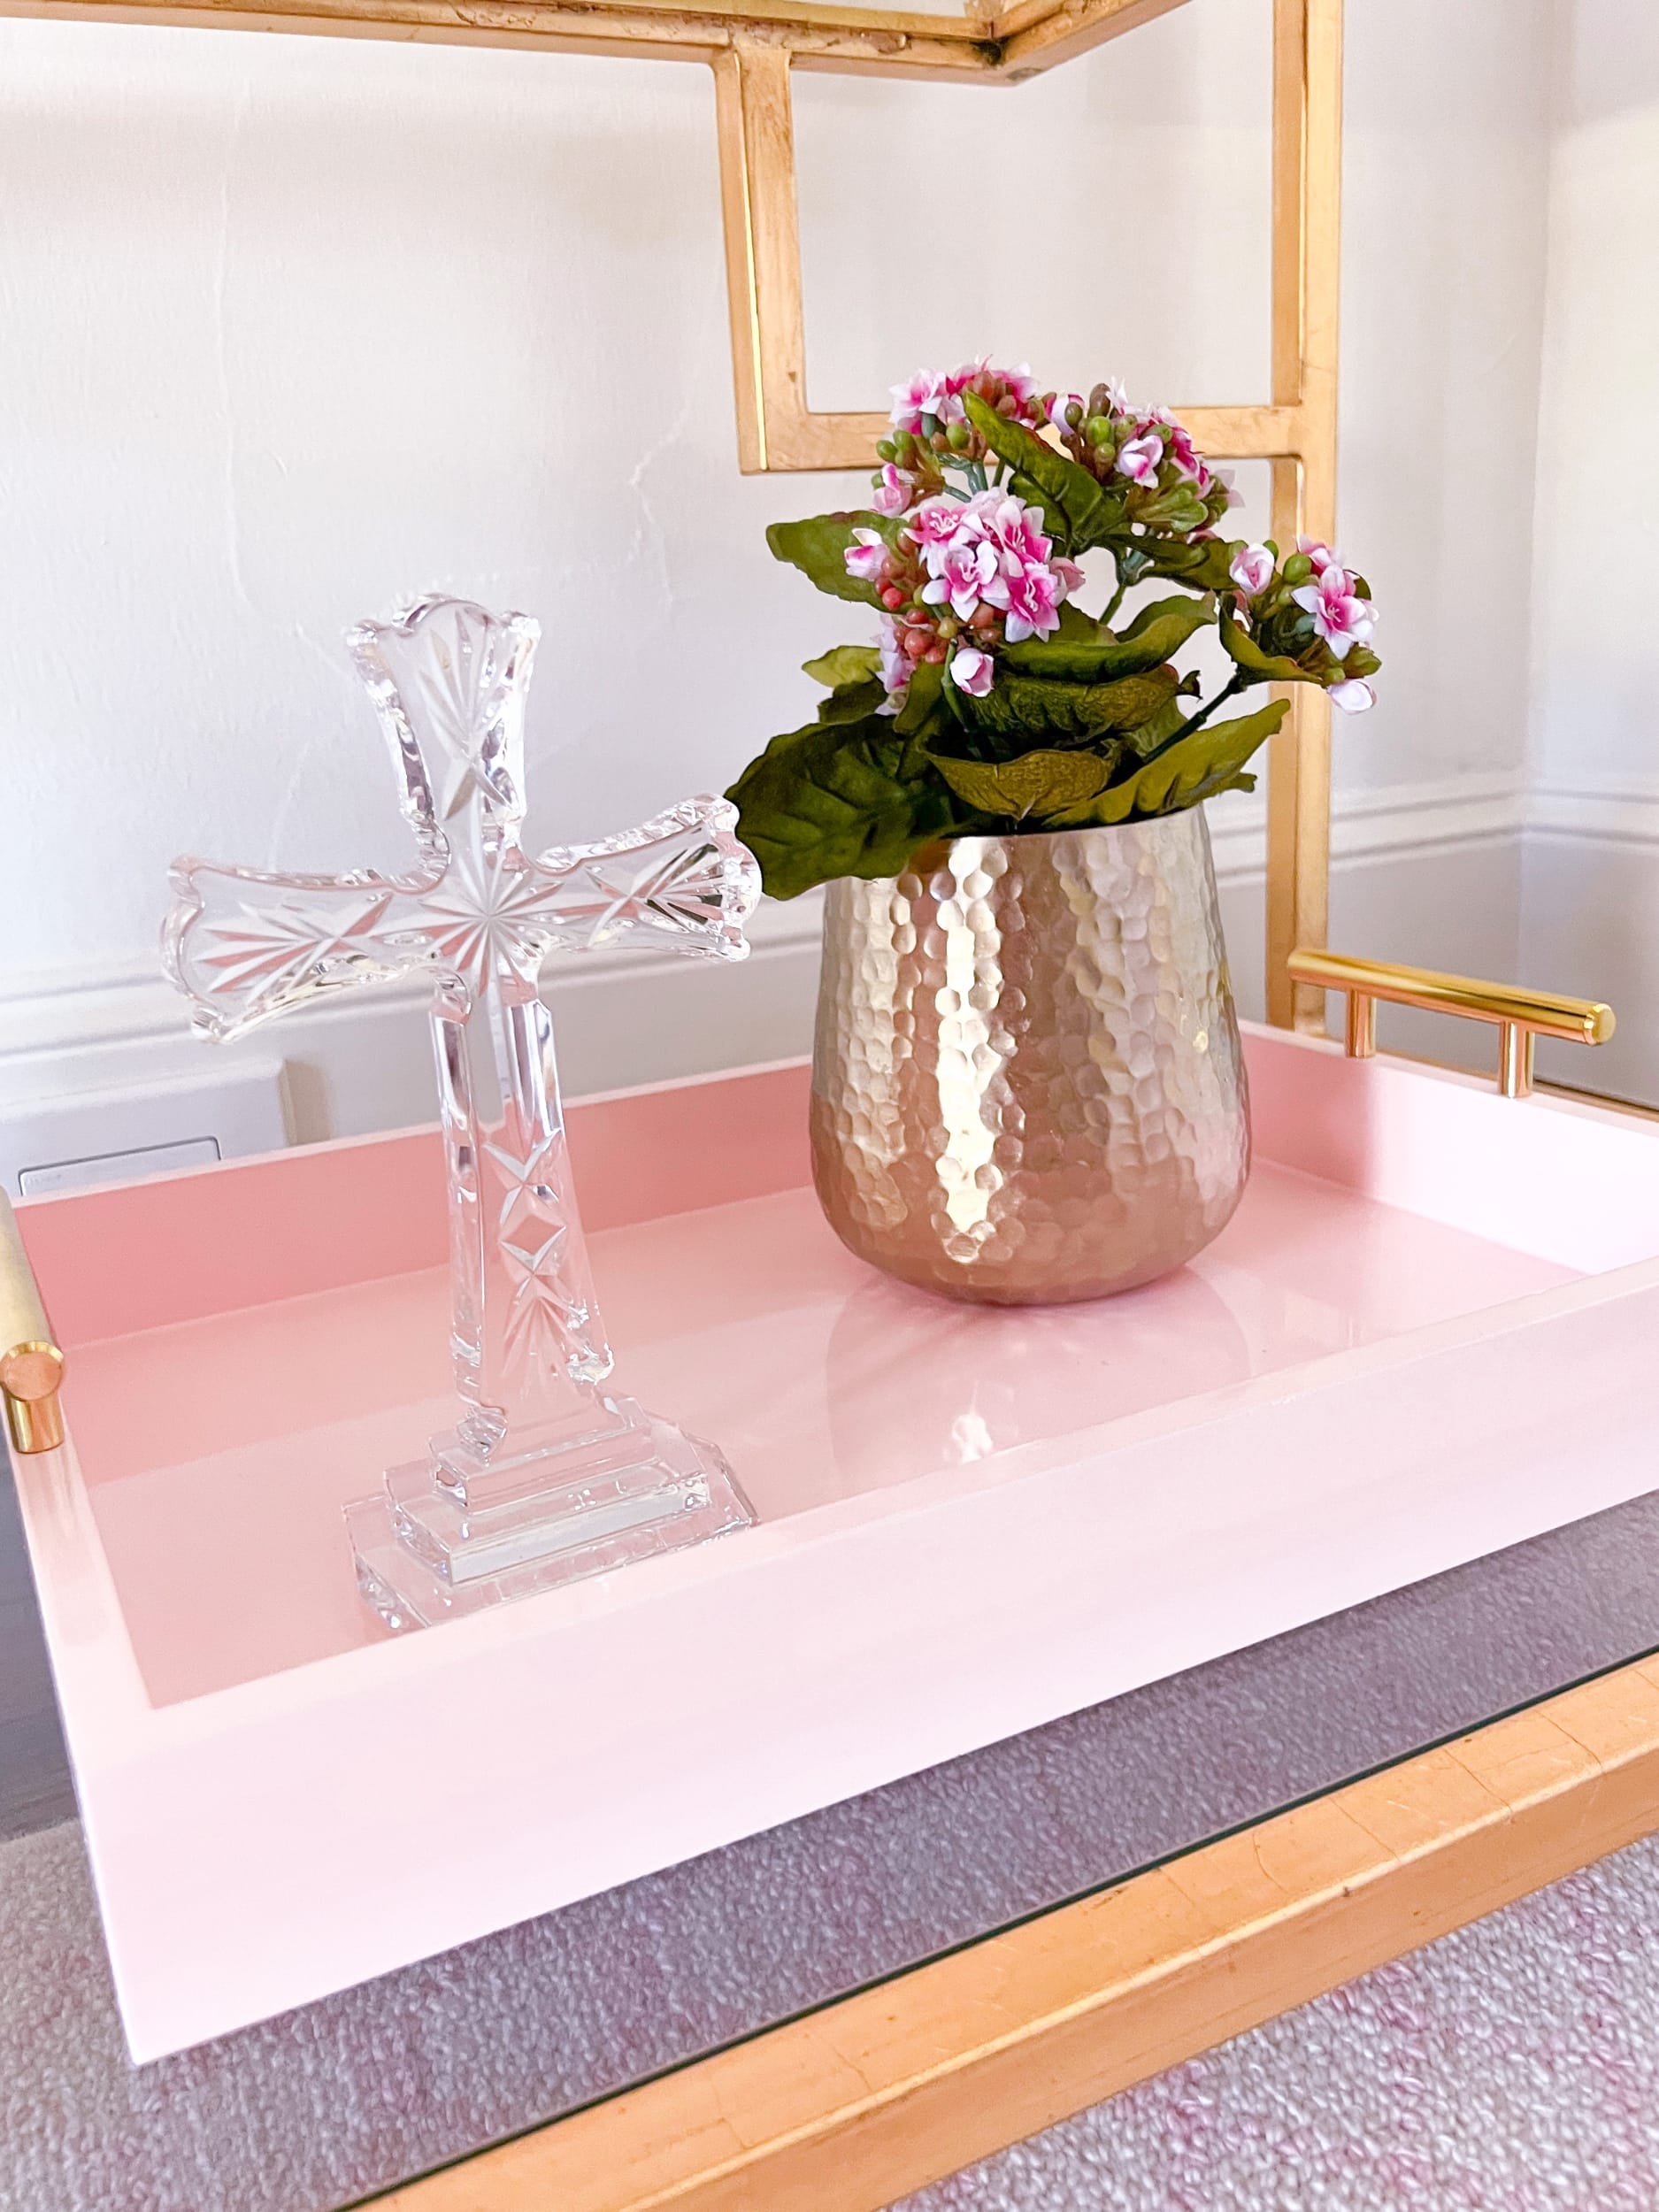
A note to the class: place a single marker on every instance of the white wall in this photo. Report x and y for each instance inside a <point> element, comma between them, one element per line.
<point>1592,882</point>
<point>292,326</point>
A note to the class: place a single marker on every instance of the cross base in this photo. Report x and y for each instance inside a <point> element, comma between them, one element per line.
<point>432,1544</point>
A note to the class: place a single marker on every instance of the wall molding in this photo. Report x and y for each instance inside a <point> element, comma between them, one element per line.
<point>69,1025</point>
<point>120,1001</point>
<point>126,1001</point>
<point>1612,812</point>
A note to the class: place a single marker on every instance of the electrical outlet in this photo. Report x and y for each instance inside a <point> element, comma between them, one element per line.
<point>116,1136</point>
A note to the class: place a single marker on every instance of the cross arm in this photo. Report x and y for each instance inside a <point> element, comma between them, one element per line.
<point>680,883</point>
<point>245,947</point>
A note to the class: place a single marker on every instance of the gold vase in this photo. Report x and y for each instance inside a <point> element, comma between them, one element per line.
<point>1027,1084</point>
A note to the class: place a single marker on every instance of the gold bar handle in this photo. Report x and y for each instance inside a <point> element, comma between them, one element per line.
<point>31,1365</point>
<point>1521,1017</point>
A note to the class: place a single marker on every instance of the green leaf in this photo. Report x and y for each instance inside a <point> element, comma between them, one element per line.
<point>853,702</point>
<point>1157,632</point>
<point>1029,706</point>
<point>1080,511</point>
<point>923,704</point>
<point>1265,668</point>
<point>817,546</point>
<point>1147,736</point>
<point>844,665</point>
<point>1202,565</point>
<point>1038,783</point>
<point>838,800</point>
<point>1210,760</point>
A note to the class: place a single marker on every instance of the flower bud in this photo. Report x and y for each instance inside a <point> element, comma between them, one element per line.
<point>887,449</point>
<point>892,597</point>
<point>914,644</point>
<point>1297,569</point>
<point>934,653</point>
<point>959,437</point>
<point>1098,430</point>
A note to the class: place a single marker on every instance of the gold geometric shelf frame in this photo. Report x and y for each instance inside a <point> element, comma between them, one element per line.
<point>1296,430</point>
<point>752,50</point>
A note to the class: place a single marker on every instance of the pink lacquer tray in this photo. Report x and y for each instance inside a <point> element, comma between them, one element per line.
<point>1429,1332</point>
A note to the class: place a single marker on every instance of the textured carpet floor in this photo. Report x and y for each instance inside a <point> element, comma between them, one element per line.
<point>1513,2067</point>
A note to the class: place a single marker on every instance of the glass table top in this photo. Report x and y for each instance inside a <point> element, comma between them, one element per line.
<point>324,2107</point>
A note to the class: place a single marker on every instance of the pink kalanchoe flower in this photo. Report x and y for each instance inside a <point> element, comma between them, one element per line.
<point>1138,458</point>
<point>894,667</point>
<point>1352,695</point>
<point>1019,382</point>
<point>1322,555</point>
<point>866,557</point>
<point>971,671</point>
<point>1251,569</point>
<point>934,524</point>
<point>1116,398</point>
<point>892,493</point>
<point>1069,575</point>
<point>1031,601</point>
<point>1189,462</point>
<point>927,393</point>
<point>1017,529</point>
<point>961,573</point>
<point>1339,617</point>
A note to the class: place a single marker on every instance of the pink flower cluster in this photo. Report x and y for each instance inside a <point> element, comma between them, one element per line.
<point>967,574</point>
<point>1342,619</point>
<point>931,431</point>
<point>937,393</point>
<point>1135,443</point>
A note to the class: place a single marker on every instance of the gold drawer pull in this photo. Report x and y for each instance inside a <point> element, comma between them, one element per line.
<point>1521,1017</point>
<point>31,1365</point>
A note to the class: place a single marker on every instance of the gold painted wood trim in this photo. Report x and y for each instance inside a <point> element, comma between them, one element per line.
<point>851,2107</point>
<point>821,35</point>
<point>1297,430</point>
<point>1307,262</point>
<point>777,428</point>
<point>853,40</point>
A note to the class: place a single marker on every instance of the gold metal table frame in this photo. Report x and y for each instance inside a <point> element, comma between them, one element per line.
<point>870,2098</point>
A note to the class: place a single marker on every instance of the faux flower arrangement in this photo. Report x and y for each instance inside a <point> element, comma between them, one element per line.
<point>991,702</point>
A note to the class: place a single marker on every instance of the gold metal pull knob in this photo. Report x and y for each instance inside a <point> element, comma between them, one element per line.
<point>31,1365</point>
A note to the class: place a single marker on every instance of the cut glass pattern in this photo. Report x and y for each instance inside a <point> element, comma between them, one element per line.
<point>546,1477</point>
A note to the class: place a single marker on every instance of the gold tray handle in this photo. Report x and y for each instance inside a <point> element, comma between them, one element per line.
<point>1521,1017</point>
<point>31,1365</point>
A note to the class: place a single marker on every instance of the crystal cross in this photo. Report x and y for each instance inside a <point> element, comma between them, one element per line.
<point>545,1477</point>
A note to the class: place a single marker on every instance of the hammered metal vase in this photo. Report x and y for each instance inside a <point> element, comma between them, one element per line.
<point>1027,1084</point>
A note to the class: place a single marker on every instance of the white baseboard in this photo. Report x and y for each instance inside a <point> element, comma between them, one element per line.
<point>360,1063</point>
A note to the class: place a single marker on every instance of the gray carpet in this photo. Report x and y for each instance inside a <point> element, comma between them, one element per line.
<point>1513,2067</point>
